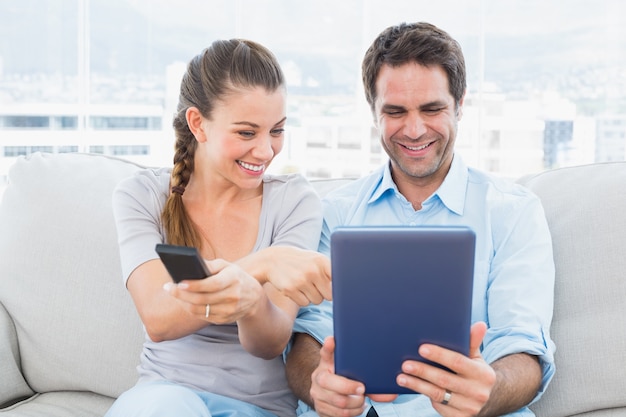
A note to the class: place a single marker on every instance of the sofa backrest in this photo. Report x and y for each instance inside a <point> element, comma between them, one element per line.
<point>60,278</point>
<point>586,211</point>
<point>77,328</point>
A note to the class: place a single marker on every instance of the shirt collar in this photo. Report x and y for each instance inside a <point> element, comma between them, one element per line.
<point>454,187</point>
<point>451,192</point>
<point>385,183</point>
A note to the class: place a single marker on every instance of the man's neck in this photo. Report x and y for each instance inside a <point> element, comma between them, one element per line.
<point>417,189</point>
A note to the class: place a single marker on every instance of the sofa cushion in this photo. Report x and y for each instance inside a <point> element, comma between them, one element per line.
<point>60,274</point>
<point>61,404</point>
<point>585,207</point>
<point>12,384</point>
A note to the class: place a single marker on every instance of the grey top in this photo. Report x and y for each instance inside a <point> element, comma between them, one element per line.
<point>213,359</point>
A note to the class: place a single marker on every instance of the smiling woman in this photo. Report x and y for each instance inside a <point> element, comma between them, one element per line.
<point>250,227</point>
<point>540,94</point>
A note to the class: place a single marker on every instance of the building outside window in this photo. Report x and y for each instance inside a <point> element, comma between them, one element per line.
<point>546,80</point>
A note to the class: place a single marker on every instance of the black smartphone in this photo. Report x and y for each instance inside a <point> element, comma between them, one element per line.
<point>182,262</point>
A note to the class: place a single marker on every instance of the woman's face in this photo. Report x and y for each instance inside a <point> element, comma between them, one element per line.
<point>244,134</point>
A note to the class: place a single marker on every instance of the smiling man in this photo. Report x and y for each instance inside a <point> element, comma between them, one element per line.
<point>414,79</point>
<point>417,118</point>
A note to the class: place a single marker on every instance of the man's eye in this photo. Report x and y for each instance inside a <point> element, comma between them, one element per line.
<point>433,110</point>
<point>394,113</point>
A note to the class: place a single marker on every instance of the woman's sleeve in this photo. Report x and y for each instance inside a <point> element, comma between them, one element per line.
<point>137,217</point>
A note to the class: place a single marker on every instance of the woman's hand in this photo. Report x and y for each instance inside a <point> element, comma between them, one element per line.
<point>302,275</point>
<point>232,295</point>
<point>230,292</point>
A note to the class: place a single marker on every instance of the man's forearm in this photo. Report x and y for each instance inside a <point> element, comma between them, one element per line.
<point>302,360</point>
<point>518,377</point>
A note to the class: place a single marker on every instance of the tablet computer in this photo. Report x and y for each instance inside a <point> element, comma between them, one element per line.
<point>395,288</point>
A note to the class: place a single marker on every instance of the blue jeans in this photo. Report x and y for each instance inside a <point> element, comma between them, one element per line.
<point>166,399</point>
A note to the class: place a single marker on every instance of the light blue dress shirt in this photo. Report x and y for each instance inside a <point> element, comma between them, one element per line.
<point>514,267</point>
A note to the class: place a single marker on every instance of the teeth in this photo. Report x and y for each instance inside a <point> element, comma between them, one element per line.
<point>418,148</point>
<point>255,168</point>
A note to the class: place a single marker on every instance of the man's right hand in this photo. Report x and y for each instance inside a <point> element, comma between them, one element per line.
<point>335,395</point>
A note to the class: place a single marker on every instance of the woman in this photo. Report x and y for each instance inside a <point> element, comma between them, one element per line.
<point>214,345</point>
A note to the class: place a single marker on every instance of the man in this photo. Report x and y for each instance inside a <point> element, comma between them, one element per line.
<point>414,78</point>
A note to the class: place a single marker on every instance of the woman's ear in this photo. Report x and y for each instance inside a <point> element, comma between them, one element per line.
<point>194,121</point>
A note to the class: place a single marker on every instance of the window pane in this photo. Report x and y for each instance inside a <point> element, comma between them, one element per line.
<point>546,80</point>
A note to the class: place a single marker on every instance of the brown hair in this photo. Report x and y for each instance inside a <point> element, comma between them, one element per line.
<point>217,71</point>
<point>422,43</point>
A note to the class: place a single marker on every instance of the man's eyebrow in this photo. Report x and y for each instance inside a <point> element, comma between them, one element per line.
<point>435,103</point>
<point>429,105</point>
<point>392,107</point>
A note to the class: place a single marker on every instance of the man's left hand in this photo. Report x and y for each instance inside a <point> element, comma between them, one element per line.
<point>462,394</point>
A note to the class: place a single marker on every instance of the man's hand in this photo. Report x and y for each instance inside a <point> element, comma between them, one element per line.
<point>477,388</point>
<point>334,395</point>
<point>462,394</point>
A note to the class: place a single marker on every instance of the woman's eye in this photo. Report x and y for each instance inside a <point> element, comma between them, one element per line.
<point>246,134</point>
<point>277,132</point>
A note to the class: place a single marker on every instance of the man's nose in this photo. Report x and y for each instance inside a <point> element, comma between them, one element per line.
<point>414,126</point>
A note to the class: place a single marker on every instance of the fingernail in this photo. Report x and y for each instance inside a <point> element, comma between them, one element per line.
<point>168,286</point>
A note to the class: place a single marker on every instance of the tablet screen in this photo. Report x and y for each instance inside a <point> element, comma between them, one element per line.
<point>395,288</point>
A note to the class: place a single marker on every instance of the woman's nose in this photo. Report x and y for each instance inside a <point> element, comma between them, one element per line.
<point>264,150</point>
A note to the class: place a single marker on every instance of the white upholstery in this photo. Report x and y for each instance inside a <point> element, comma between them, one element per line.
<point>60,279</point>
<point>586,211</point>
<point>70,335</point>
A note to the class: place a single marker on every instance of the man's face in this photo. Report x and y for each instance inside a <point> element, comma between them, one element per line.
<point>417,119</point>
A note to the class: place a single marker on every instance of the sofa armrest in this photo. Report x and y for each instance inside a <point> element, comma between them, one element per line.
<point>13,387</point>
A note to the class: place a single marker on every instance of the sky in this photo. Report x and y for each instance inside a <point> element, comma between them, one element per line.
<point>506,41</point>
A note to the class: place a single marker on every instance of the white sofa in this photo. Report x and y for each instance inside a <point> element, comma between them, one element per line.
<point>70,337</point>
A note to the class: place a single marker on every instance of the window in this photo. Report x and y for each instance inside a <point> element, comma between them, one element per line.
<point>24,122</point>
<point>67,149</point>
<point>557,141</point>
<point>349,137</point>
<point>65,122</point>
<point>540,95</point>
<point>319,136</point>
<point>11,151</point>
<point>123,150</point>
<point>125,123</point>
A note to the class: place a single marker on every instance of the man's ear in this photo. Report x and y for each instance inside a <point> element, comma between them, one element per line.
<point>459,107</point>
<point>374,118</point>
<point>194,121</point>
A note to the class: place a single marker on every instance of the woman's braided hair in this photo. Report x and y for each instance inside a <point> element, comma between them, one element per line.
<point>218,70</point>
